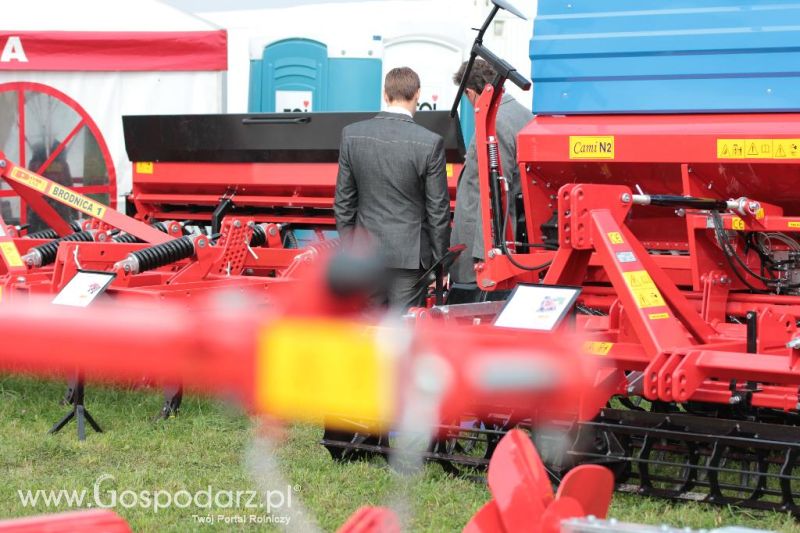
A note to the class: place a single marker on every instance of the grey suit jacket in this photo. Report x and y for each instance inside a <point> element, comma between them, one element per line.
<point>392,183</point>
<point>511,118</point>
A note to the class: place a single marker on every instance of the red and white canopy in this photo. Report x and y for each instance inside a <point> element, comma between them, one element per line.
<point>98,35</point>
<point>107,51</point>
<point>68,64</point>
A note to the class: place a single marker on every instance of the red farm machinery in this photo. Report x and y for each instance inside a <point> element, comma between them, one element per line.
<point>682,233</point>
<point>675,221</point>
<point>219,203</point>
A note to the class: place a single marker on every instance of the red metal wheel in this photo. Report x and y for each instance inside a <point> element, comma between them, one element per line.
<point>45,130</point>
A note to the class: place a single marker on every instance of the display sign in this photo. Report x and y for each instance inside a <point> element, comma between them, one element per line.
<point>84,288</point>
<point>537,307</point>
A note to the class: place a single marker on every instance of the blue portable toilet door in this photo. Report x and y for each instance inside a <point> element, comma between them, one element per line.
<point>294,77</point>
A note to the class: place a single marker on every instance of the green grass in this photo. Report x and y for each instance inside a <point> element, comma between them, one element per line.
<point>209,445</point>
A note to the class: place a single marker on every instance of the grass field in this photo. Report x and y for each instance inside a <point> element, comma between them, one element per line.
<point>209,445</point>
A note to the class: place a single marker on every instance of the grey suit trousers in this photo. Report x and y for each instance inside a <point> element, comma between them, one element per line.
<point>402,292</point>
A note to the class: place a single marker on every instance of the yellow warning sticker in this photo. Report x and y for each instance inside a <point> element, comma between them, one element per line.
<point>598,348</point>
<point>21,175</point>
<point>78,201</point>
<point>595,147</point>
<point>794,224</point>
<point>758,148</point>
<point>450,170</point>
<point>146,167</point>
<point>658,316</point>
<point>10,254</point>
<point>737,223</point>
<point>644,290</point>
<point>615,237</point>
<point>307,369</point>
<point>760,213</point>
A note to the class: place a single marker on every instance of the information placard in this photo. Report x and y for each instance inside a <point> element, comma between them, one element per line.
<point>537,307</point>
<point>84,288</point>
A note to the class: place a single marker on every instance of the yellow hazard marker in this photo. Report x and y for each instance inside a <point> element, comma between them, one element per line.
<point>758,149</point>
<point>644,290</point>
<point>144,167</point>
<point>307,370</point>
<point>598,348</point>
<point>10,254</point>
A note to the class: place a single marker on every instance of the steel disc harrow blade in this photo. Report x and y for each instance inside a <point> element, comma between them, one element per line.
<point>688,457</point>
<point>676,456</point>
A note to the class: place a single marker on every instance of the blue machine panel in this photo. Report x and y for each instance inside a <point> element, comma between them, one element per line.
<point>657,56</point>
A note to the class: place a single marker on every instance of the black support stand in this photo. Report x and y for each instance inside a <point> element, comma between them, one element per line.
<point>78,412</point>
<point>173,396</point>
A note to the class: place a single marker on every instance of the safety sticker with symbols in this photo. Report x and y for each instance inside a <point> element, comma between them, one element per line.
<point>598,348</point>
<point>10,254</point>
<point>144,167</point>
<point>737,224</point>
<point>21,175</point>
<point>615,237</point>
<point>758,148</point>
<point>644,290</point>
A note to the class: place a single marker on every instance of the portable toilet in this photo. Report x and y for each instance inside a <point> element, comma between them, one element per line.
<point>299,75</point>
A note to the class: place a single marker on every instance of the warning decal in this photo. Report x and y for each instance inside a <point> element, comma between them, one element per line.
<point>23,176</point>
<point>758,148</point>
<point>644,290</point>
<point>737,224</point>
<point>10,254</point>
<point>658,316</point>
<point>144,167</point>
<point>598,348</point>
<point>615,237</point>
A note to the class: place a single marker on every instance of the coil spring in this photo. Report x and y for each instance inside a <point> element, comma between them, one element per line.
<point>51,233</point>
<point>164,253</point>
<point>494,156</point>
<point>160,226</point>
<point>43,234</point>
<point>127,238</point>
<point>48,251</point>
<point>259,236</point>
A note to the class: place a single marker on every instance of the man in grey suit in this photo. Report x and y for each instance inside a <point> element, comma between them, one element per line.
<point>511,118</point>
<point>392,189</point>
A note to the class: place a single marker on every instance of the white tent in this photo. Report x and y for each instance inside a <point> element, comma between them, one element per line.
<point>70,70</point>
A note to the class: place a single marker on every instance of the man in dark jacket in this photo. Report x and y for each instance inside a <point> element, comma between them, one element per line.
<point>392,188</point>
<point>511,118</point>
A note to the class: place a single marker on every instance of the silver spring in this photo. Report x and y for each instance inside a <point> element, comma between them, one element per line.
<point>494,155</point>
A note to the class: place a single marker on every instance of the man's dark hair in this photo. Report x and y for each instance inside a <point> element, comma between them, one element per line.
<point>480,76</point>
<point>401,84</point>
